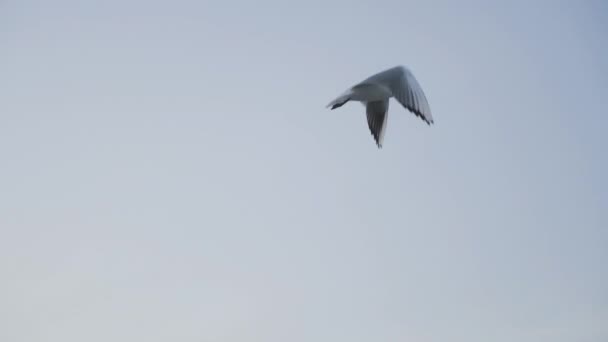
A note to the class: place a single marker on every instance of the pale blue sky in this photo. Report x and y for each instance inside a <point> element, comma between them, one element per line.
<point>170,172</point>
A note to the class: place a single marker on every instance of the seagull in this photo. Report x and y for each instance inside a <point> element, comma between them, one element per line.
<point>375,92</point>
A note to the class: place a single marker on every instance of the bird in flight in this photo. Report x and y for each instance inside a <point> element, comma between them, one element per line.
<point>375,92</point>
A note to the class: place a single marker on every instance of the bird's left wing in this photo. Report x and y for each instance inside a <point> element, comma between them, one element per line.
<point>377,112</point>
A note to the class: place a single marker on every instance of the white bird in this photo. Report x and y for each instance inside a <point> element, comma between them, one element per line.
<point>375,92</point>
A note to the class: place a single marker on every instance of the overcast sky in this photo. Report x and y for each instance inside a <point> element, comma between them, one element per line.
<point>169,172</point>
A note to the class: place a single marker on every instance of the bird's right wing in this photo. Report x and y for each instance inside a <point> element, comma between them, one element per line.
<point>406,90</point>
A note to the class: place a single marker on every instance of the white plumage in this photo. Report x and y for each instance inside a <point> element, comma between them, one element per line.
<point>375,92</point>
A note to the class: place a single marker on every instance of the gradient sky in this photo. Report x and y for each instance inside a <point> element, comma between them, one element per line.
<point>170,172</point>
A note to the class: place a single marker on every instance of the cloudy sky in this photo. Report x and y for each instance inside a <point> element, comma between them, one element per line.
<point>170,172</point>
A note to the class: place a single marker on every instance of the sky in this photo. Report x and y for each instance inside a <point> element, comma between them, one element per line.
<point>170,172</point>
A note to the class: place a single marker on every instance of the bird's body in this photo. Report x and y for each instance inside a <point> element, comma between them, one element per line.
<point>375,92</point>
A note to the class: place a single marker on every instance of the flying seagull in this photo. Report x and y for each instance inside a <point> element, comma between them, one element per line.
<point>375,92</point>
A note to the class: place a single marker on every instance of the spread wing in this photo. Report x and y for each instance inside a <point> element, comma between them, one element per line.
<point>376,119</point>
<point>405,89</point>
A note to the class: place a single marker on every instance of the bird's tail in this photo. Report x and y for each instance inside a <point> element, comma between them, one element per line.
<point>339,101</point>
